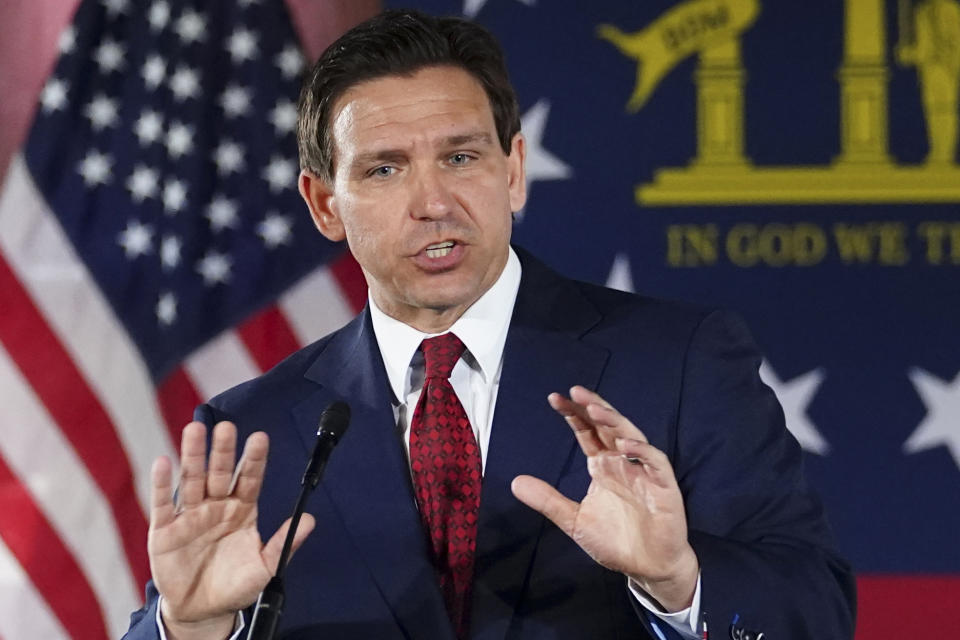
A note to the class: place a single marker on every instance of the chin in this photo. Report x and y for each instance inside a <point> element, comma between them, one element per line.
<point>443,298</point>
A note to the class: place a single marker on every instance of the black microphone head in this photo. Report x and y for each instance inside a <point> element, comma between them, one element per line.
<point>334,420</point>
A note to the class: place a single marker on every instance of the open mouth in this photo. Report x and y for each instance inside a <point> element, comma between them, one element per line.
<point>440,249</point>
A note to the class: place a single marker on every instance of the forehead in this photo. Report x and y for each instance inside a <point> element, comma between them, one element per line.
<point>434,101</point>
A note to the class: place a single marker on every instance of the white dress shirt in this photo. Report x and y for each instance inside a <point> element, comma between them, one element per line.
<point>476,380</point>
<point>475,377</point>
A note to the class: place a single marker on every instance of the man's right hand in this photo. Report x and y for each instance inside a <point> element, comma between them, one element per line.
<point>206,556</point>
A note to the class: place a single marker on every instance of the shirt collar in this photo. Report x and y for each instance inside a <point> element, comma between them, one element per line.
<point>482,328</point>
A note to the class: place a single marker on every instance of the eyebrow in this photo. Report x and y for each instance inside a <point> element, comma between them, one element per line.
<point>375,157</point>
<point>481,137</point>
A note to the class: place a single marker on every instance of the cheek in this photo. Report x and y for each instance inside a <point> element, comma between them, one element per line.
<point>368,238</point>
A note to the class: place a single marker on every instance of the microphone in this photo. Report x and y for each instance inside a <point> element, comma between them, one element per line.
<point>333,423</point>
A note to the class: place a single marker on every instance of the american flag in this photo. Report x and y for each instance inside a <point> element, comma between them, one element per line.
<point>153,251</point>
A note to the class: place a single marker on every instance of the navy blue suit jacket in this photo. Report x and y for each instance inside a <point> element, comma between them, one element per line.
<point>687,377</point>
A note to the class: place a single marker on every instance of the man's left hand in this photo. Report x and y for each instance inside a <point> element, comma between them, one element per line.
<point>632,519</point>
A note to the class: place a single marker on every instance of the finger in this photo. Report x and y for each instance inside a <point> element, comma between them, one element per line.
<point>654,462</point>
<point>162,509</point>
<point>271,551</point>
<point>576,417</point>
<point>193,461</point>
<point>250,469</point>
<point>584,396</point>
<point>612,425</point>
<point>540,496</point>
<point>609,422</point>
<point>223,452</point>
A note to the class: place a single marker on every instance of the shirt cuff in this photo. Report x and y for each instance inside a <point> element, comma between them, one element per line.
<point>237,626</point>
<point>684,622</point>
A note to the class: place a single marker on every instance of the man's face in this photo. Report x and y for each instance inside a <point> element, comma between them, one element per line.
<point>422,192</point>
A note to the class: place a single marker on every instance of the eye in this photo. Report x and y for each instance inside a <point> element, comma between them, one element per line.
<point>383,171</point>
<point>460,159</point>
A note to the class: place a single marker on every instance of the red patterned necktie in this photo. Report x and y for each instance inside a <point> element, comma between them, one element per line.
<point>446,468</point>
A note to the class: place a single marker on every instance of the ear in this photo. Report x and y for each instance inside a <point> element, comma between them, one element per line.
<point>319,198</point>
<point>517,172</point>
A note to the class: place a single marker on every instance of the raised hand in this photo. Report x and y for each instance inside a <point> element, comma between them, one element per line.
<point>632,519</point>
<point>206,555</point>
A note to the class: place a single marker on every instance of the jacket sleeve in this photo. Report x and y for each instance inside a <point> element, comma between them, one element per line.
<point>765,549</point>
<point>143,622</point>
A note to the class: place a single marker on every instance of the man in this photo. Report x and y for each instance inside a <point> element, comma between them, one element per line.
<point>411,151</point>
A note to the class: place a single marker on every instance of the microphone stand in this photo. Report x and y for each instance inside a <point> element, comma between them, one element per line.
<point>266,615</point>
<point>269,608</point>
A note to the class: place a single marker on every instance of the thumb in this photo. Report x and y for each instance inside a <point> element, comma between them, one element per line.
<point>271,551</point>
<point>540,496</point>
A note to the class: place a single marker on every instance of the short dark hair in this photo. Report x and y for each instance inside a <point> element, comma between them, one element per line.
<point>399,43</point>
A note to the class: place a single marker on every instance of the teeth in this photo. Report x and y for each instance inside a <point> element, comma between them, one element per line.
<point>439,250</point>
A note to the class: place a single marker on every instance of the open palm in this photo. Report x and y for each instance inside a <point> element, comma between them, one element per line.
<point>206,555</point>
<point>632,518</point>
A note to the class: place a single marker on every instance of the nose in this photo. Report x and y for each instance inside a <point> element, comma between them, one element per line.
<point>432,199</point>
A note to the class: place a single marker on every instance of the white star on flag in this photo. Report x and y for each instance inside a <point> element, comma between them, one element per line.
<point>159,15</point>
<point>136,239</point>
<point>170,248</point>
<point>941,425</point>
<point>472,7</point>
<point>184,84</point>
<point>275,230</point>
<point>280,173</point>
<point>102,112</point>
<point>215,268</point>
<point>228,156</point>
<point>149,127</point>
<point>142,183</point>
<point>242,45</point>
<point>174,195</point>
<point>795,396</point>
<point>109,56</point>
<point>541,164</point>
<point>115,7</point>
<point>96,168</point>
<point>290,61</point>
<point>54,95</point>
<point>167,309</point>
<point>235,101</point>
<point>621,277</point>
<point>222,213</point>
<point>284,116</point>
<point>191,27</point>
<point>179,140</point>
<point>67,42</point>
<point>154,70</point>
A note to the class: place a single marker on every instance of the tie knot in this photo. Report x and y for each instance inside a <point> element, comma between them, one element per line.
<point>440,353</point>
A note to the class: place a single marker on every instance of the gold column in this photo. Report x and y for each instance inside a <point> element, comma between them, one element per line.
<point>863,84</point>
<point>720,78</point>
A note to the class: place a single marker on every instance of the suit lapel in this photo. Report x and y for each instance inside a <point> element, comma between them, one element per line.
<point>368,480</point>
<point>543,353</point>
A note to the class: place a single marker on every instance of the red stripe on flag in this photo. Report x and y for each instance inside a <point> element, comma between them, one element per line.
<point>177,398</point>
<point>269,337</point>
<point>48,368</point>
<point>51,567</point>
<point>907,606</point>
<point>350,278</point>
